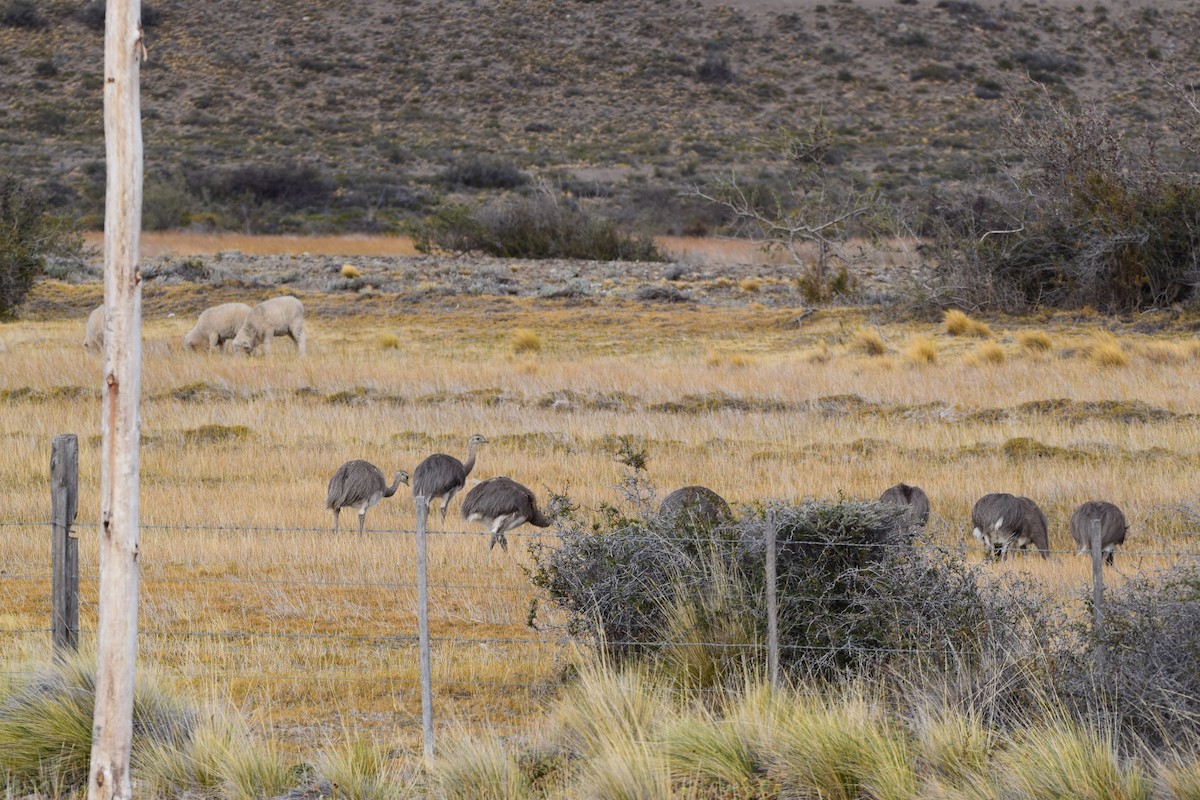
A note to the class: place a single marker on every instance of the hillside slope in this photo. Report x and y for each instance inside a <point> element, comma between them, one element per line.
<point>627,100</point>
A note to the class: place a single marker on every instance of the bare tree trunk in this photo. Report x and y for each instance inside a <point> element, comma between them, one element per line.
<point>120,425</point>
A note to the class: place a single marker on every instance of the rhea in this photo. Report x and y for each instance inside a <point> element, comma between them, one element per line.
<point>1035,529</point>
<point>998,519</point>
<point>1112,527</point>
<point>360,485</point>
<point>442,476</point>
<point>913,499</point>
<point>695,504</point>
<point>502,504</point>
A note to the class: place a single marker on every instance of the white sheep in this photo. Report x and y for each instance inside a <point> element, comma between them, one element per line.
<point>216,326</point>
<point>279,316</point>
<point>93,340</point>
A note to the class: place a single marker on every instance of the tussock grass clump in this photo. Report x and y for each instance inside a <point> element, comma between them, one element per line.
<point>478,768</point>
<point>605,708</point>
<point>524,340</point>
<point>350,271</point>
<point>954,743</point>
<point>868,342</point>
<point>923,350</point>
<point>1165,352</point>
<point>1034,341</point>
<point>46,730</point>
<point>712,750</point>
<point>818,354</point>
<point>387,341</point>
<point>840,749</point>
<point>1065,760</point>
<point>750,285</point>
<point>363,768</point>
<point>959,324</point>
<point>987,353</point>
<point>1105,350</point>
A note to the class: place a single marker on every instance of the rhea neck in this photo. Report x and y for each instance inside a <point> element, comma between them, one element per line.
<point>469,464</point>
<point>399,478</point>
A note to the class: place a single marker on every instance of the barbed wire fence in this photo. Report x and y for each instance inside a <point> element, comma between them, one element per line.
<point>304,654</point>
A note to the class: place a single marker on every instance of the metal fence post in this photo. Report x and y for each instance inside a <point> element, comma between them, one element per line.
<point>1098,597</point>
<point>772,603</point>
<point>64,550</point>
<point>422,504</point>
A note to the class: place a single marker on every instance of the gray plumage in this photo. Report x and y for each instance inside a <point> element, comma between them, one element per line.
<point>443,476</point>
<point>1112,527</point>
<point>502,504</point>
<point>912,497</point>
<point>695,504</point>
<point>359,484</point>
<point>998,519</point>
<point>1036,529</point>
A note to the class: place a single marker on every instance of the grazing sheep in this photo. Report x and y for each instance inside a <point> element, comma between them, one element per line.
<point>1112,527</point>
<point>998,519</point>
<point>279,316</point>
<point>216,326</point>
<point>93,339</point>
<point>1036,529</point>
<point>695,504</point>
<point>916,501</point>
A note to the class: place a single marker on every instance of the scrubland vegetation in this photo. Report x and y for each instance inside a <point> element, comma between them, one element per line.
<point>249,602</point>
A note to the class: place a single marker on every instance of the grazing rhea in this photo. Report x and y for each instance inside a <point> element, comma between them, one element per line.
<point>359,484</point>
<point>93,337</point>
<point>443,476</point>
<point>279,316</point>
<point>914,498</point>
<point>216,326</point>
<point>695,504</point>
<point>1036,528</point>
<point>999,519</point>
<point>1112,527</point>
<point>502,504</point>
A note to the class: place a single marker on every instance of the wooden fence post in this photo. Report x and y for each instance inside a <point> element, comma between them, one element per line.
<point>120,419</point>
<point>423,645</point>
<point>1098,598</point>
<point>64,551</point>
<point>772,603</point>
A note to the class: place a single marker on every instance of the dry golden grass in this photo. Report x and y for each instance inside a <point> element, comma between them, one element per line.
<point>525,341</point>
<point>750,284</point>
<point>868,342</point>
<point>1106,350</point>
<point>987,353</point>
<point>959,324</point>
<point>922,350</point>
<point>236,541</point>
<point>1034,341</point>
<point>350,271</point>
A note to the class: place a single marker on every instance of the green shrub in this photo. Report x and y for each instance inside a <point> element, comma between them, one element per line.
<point>22,14</point>
<point>1093,220</point>
<point>483,173</point>
<point>29,236</point>
<point>537,226</point>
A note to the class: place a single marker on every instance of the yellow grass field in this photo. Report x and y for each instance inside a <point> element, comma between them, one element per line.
<point>247,595</point>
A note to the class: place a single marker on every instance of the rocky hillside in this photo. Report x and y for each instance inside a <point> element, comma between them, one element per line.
<point>343,115</point>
